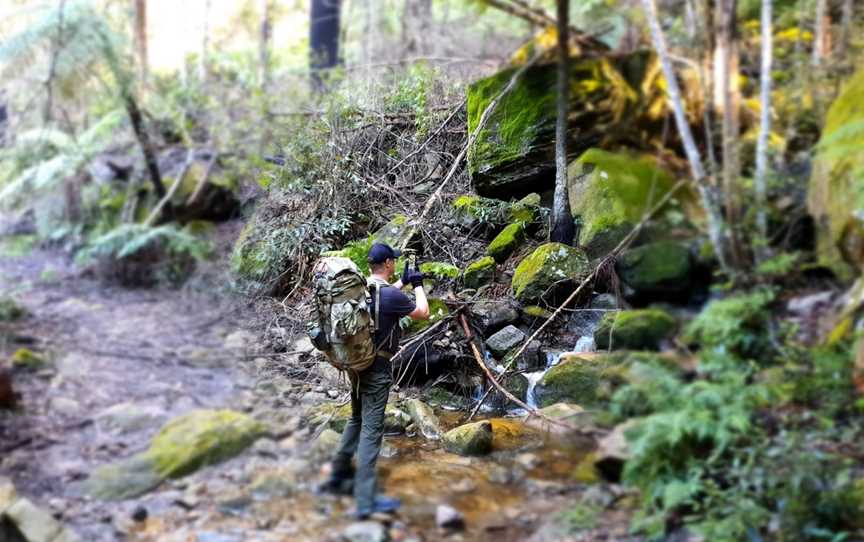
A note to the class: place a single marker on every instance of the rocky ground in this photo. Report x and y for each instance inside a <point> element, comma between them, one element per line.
<point>107,367</point>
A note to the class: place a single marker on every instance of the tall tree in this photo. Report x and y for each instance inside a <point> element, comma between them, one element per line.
<point>323,39</point>
<point>562,216</point>
<point>416,19</point>
<point>141,38</point>
<point>205,42</point>
<point>845,28</point>
<point>264,44</point>
<point>821,36</point>
<point>673,92</point>
<point>764,125</point>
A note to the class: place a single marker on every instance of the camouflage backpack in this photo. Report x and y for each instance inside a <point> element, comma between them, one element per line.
<point>343,327</point>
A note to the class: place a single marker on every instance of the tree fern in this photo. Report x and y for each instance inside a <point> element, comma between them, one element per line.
<point>129,239</point>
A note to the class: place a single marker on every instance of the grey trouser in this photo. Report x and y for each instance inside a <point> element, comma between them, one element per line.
<point>363,433</point>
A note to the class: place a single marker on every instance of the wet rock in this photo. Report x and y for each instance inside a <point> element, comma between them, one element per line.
<point>503,341</point>
<point>547,272</point>
<point>469,439</point>
<point>365,531</point>
<point>185,444</point>
<point>273,484</point>
<point>612,452</point>
<point>8,400</point>
<point>490,316</point>
<point>396,421</point>
<point>656,270</point>
<point>609,193</point>
<point>10,310</point>
<point>479,272</point>
<point>643,329</point>
<point>517,384</point>
<point>840,242</point>
<point>447,517</point>
<point>22,521</point>
<point>128,417</point>
<point>607,302</point>
<point>506,242</point>
<point>576,379</point>
<point>424,419</point>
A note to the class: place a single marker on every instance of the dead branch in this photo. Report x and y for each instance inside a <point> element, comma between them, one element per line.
<point>199,188</point>
<point>154,214</point>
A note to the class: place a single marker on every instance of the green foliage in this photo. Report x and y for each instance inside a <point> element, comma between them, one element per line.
<point>580,517</point>
<point>736,324</point>
<point>412,95</point>
<point>779,265</point>
<point>656,386</point>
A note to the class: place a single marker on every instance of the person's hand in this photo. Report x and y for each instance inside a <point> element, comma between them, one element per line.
<point>412,276</point>
<point>405,272</point>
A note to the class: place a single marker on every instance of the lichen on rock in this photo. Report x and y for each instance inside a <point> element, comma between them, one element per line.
<point>551,268</point>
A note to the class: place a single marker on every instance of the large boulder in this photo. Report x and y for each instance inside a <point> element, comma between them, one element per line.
<point>424,419</point>
<point>182,446</point>
<point>609,98</point>
<point>547,272</point>
<point>657,269</point>
<point>641,329</point>
<point>837,184</point>
<point>469,439</point>
<point>507,241</point>
<point>610,193</point>
<point>581,379</point>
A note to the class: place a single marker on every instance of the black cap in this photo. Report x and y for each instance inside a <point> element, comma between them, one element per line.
<point>380,252</point>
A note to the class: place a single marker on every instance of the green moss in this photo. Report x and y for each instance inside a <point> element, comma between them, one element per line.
<point>836,194</point>
<point>248,258</point>
<point>586,472</point>
<point>634,329</point>
<point>610,192</point>
<point>535,311</point>
<point>526,210</point>
<point>661,267</point>
<point>437,311</point>
<point>466,203</point>
<point>469,439</point>
<point>737,323</point>
<point>573,380</point>
<point>506,242</point>
<point>439,270</point>
<point>24,358</point>
<point>201,438</point>
<point>550,266</point>
<point>479,272</point>
<point>15,246</point>
<point>10,310</point>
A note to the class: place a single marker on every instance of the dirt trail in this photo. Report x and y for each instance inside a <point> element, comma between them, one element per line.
<point>122,362</point>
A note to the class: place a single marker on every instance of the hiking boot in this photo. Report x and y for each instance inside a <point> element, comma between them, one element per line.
<point>337,485</point>
<point>383,505</point>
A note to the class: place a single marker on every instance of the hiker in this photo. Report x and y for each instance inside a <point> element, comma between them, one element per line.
<point>370,387</point>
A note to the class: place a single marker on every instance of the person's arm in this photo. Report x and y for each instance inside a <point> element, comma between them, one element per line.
<point>398,284</point>
<point>421,309</point>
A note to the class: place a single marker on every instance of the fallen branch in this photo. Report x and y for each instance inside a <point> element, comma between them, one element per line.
<point>199,188</point>
<point>531,411</point>
<point>484,118</point>
<point>154,214</point>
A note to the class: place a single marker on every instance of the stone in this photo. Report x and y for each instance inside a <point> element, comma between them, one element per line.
<point>10,310</point>
<point>479,273</point>
<point>548,272</point>
<point>447,517</point>
<point>577,379</point>
<point>610,192</point>
<point>303,345</point>
<point>8,495</point>
<point>506,242</point>
<point>490,316</point>
<point>503,341</point>
<point>612,452</point>
<point>606,302</point>
<point>128,417</point>
<point>365,531</point>
<point>469,439</point>
<point>641,329</point>
<point>182,446</point>
<point>835,183</point>
<point>527,210</point>
<point>517,384</point>
<point>656,270</point>
<point>36,524</point>
<point>28,360</point>
<point>396,421</point>
<point>511,155</point>
<point>327,442</point>
<point>424,419</point>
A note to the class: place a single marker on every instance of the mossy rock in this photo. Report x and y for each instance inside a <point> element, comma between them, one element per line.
<point>479,272</point>
<point>182,446</point>
<point>512,153</point>
<point>526,210</point>
<point>469,439</point>
<point>10,310</point>
<point>249,261</point>
<point>424,419</point>
<point>517,384</point>
<point>642,329</point>
<point>437,311</point>
<point>24,358</point>
<point>549,270</point>
<point>656,269</point>
<point>397,233</point>
<point>610,192</point>
<point>576,379</point>
<point>506,242</point>
<point>536,313</point>
<point>439,270</point>
<point>836,193</point>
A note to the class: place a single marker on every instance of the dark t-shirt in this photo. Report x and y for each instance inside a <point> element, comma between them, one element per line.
<point>394,305</point>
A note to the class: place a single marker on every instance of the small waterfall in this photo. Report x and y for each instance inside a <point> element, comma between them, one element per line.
<point>585,344</point>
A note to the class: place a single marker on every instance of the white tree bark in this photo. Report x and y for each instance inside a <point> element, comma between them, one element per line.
<point>562,216</point>
<point>205,42</point>
<point>819,33</point>
<point>764,126</point>
<point>673,91</point>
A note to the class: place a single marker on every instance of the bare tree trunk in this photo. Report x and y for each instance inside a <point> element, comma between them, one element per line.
<point>819,32</point>
<point>264,45</point>
<point>48,111</point>
<point>715,220</point>
<point>141,38</point>
<point>146,145</point>
<point>764,130</point>
<point>323,39</point>
<point>845,28</point>
<point>416,20</point>
<point>205,42</point>
<point>562,216</point>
